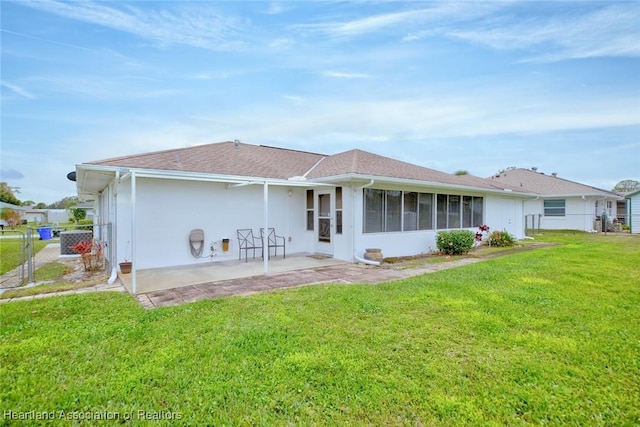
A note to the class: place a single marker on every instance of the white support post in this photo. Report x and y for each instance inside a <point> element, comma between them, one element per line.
<point>265,238</point>
<point>133,234</point>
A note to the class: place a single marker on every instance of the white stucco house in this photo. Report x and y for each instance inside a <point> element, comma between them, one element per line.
<point>562,204</point>
<point>633,205</point>
<point>337,205</point>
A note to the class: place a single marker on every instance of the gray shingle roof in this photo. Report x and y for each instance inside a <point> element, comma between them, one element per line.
<point>238,159</point>
<point>541,183</point>
<point>224,158</point>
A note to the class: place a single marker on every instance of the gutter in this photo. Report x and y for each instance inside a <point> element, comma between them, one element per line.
<point>418,183</point>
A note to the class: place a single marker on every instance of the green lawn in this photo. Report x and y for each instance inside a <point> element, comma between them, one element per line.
<point>11,252</point>
<point>549,336</point>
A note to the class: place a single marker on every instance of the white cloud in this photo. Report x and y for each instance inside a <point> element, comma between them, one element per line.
<point>341,75</point>
<point>197,26</point>
<point>18,90</point>
<point>610,31</point>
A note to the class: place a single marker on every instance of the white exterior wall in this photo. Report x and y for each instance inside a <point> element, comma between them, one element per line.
<point>504,213</point>
<point>343,243</point>
<point>580,213</point>
<point>167,211</point>
<point>500,213</point>
<point>58,215</point>
<point>634,207</point>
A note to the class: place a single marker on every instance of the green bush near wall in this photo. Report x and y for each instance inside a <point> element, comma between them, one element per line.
<point>501,239</point>
<point>455,242</point>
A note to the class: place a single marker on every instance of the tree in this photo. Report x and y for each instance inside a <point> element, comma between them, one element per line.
<point>10,216</point>
<point>461,172</point>
<point>65,203</point>
<point>7,194</point>
<point>41,205</point>
<point>78,214</point>
<point>627,185</point>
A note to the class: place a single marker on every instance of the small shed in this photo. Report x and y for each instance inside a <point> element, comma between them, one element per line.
<point>634,211</point>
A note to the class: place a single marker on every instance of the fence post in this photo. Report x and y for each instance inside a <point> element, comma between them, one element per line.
<point>29,246</point>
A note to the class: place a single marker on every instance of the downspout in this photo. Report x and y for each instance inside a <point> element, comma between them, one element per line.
<point>353,222</point>
<point>113,229</point>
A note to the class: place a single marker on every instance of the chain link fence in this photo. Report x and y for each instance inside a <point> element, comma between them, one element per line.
<point>604,223</point>
<point>34,248</point>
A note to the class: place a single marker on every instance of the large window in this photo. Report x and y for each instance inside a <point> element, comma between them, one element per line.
<point>554,207</point>
<point>455,211</point>
<point>395,210</point>
<point>425,212</point>
<point>471,211</point>
<point>310,210</point>
<point>410,212</point>
<point>373,210</point>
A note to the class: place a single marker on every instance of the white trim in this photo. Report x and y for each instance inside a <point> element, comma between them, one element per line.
<point>414,182</point>
<point>133,233</point>
<point>265,235</point>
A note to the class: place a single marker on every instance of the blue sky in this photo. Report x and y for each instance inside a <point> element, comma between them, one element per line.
<point>479,86</point>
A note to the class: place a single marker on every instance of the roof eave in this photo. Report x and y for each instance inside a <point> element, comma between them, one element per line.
<point>432,184</point>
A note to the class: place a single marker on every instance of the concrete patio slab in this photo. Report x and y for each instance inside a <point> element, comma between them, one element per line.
<point>344,273</point>
<point>151,280</point>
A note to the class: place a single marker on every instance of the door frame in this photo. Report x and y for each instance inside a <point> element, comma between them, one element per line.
<point>320,246</point>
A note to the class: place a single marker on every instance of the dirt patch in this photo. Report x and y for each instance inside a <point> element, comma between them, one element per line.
<point>482,252</point>
<point>78,275</point>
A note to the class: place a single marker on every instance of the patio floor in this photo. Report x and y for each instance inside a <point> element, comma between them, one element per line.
<point>195,283</point>
<point>157,279</point>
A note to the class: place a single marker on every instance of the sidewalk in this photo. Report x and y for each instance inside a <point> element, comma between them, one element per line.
<point>115,287</point>
<point>11,279</point>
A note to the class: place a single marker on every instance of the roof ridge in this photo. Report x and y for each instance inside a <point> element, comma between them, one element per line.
<point>290,149</point>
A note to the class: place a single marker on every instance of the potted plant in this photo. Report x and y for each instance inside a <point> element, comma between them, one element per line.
<point>125,266</point>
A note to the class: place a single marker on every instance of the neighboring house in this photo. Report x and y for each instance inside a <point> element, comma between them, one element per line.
<point>36,216</point>
<point>634,211</point>
<point>337,205</point>
<point>53,216</point>
<point>561,204</point>
<point>20,209</point>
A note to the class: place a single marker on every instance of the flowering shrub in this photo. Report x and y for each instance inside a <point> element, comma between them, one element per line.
<point>455,242</point>
<point>481,229</point>
<point>90,253</point>
<point>501,239</point>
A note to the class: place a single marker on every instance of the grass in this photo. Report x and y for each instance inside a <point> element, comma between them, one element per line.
<point>11,252</point>
<point>53,273</point>
<point>549,336</point>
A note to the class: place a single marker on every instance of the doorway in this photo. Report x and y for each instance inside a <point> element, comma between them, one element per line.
<point>324,222</point>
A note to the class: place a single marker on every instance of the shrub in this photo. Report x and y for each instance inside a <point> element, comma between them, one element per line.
<point>501,239</point>
<point>455,242</point>
<point>90,253</point>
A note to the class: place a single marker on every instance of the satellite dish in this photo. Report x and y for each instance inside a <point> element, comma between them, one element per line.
<point>71,176</point>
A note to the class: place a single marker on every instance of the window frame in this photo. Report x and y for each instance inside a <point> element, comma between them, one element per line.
<point>433,211</point>
<point>561,211</point>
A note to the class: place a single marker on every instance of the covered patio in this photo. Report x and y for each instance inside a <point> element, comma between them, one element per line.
<point>158,279</point>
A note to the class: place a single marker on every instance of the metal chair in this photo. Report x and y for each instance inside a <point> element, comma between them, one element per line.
<point>246,242</point>
<point>274,241</point>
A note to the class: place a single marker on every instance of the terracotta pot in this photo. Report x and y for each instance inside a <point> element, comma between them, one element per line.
<point>125,267</point>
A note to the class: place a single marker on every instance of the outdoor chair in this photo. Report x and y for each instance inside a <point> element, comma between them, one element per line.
<point>274,241</point>
<point>246,242</point>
